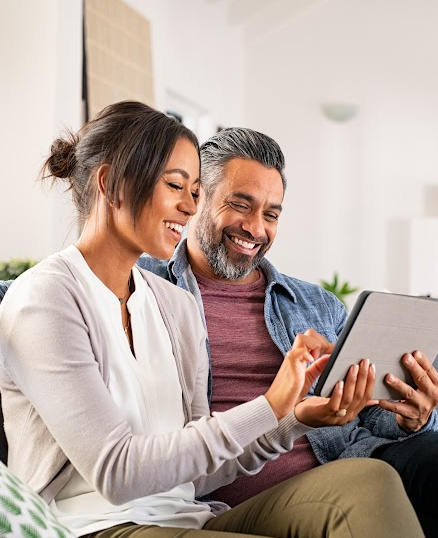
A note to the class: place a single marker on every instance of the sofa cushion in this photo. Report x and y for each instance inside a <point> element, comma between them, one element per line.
<point>24,513</point>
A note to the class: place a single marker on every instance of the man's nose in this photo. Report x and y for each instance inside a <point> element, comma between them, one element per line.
<point>255,225</point>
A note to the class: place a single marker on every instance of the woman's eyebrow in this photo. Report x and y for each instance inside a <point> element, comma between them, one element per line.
<point>180,171</point>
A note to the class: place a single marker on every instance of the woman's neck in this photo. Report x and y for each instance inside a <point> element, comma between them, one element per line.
<point>109,260</point>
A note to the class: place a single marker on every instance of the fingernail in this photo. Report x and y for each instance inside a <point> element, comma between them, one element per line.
<point>341,385</point>
<point>390,378</point>
<point>355,370</point>
<point>373,368</point>
<point>409,359</point>
<point>418,355</point>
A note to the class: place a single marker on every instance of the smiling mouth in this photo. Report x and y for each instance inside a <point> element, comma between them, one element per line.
<point>174,226</point>
<point>175,229</point>
<point>242,243</point>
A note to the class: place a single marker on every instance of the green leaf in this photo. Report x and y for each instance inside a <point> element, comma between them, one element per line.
<point>29,531</point>
<point>38,505</point>
<point>344,288</point>
<point>38,520</point>
<point>60,532</point>
<point>351,290</point>
<point>10,506</point>
<point>13,268</point>
<point>15,492</point>
<point>5,526</point>
<point>12,478</point>
<point>338,289</point>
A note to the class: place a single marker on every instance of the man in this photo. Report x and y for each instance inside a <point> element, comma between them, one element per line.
<point>253,314</point>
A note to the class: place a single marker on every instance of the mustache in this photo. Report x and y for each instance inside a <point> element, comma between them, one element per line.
<point>230,230</point>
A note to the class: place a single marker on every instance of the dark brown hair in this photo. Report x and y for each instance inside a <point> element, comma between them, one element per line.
<point>133,138</point>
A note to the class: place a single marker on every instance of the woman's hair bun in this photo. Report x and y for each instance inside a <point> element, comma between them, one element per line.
<point>62,159</point>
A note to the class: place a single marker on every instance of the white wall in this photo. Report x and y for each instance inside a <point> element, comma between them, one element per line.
<point>39,92</point>
<point>353,186</point>
<point>195,54</point>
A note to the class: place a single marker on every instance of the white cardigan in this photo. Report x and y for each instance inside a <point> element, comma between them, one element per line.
<point>59,414</point>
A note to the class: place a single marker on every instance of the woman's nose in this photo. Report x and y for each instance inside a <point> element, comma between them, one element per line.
<point>187,204</point>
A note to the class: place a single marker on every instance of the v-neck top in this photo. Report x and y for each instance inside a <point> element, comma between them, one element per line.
<point>147,390</point>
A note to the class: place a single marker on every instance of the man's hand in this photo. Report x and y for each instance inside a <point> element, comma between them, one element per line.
<point>416,405</point>
<point>346,402</point>
<point>294,378</point>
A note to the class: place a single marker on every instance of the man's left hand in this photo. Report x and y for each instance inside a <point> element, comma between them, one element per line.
<point>417,404</point>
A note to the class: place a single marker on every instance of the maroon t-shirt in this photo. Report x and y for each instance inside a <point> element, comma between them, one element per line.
<point>245,361</point>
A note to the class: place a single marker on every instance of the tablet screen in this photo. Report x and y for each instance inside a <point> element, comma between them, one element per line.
<point>382,327</point>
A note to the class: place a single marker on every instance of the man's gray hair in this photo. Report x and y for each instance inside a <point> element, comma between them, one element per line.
<point>237,142</point>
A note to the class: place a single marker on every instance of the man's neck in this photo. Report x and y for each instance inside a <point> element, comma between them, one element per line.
<point>199,264</point>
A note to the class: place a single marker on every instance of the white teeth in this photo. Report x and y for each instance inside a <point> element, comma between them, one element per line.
<point>174,226</point>
<point>243,244</point>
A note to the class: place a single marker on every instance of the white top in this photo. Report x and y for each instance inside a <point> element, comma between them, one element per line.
<point>147,390</point>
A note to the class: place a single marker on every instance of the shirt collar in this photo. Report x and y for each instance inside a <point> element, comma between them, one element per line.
<point>179,262</point>
<point>275,278</point>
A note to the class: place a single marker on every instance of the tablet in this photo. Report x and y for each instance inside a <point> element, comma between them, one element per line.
<point>382,327</point>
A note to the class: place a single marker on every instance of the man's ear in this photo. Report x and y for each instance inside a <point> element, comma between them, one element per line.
<point>201,195</point>
<point>200,206</point>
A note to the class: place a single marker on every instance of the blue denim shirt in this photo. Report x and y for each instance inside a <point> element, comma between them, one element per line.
<point>4,285</point>
<point>292,306</point>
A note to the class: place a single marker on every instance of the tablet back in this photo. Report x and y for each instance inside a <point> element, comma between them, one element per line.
<point>382,327</point>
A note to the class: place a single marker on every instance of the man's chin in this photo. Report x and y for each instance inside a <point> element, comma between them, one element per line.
<point>245,261</point>
<point>241,268</point>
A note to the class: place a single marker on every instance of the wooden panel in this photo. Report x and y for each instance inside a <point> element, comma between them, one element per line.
<point>119,59</point>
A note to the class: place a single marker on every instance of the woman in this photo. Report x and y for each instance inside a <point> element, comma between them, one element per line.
<point>104,369</point>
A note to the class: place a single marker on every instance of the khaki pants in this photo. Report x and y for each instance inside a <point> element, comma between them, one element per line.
<point>360,498</point>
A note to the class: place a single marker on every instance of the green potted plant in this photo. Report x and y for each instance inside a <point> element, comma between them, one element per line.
<point>11,269</point>
<point>341,290</point>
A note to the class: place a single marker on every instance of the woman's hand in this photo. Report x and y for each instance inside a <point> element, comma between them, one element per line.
<point>414,410</point>
<point>346,402</point>
<point>294,378</point>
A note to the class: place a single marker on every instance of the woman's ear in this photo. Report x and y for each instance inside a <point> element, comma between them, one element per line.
<point>101,177</point>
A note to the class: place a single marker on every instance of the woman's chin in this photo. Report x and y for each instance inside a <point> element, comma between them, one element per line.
<point>161,253</point>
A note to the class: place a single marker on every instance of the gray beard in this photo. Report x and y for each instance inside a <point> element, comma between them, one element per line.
<point>217,254</point>
<point>217,257</point>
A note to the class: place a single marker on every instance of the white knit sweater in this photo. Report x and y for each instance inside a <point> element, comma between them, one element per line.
<point>60,415</point>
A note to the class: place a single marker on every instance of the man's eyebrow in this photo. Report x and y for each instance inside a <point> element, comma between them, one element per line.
<point>180,171</point>
<point>249,198</point>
